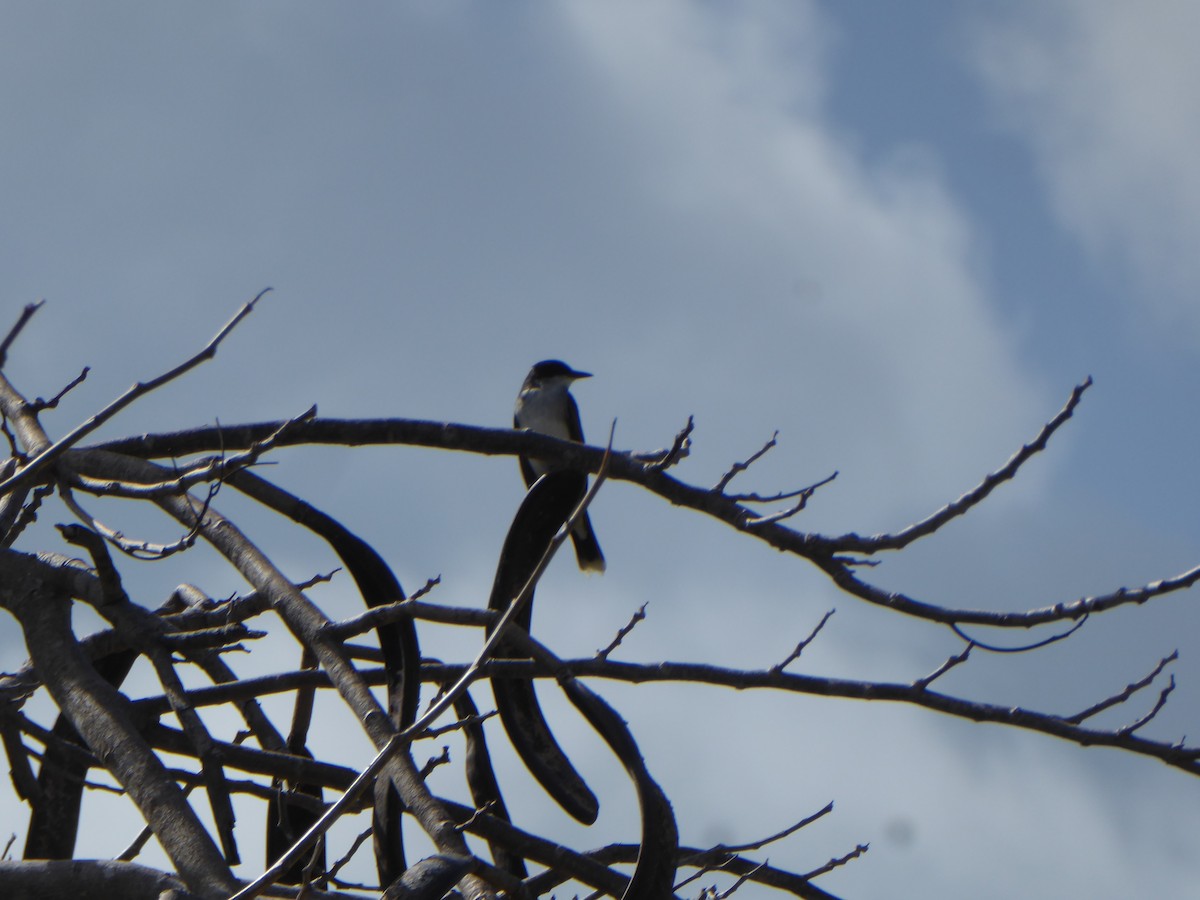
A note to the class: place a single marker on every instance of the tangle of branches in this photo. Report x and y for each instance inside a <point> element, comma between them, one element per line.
<point>479,850</point>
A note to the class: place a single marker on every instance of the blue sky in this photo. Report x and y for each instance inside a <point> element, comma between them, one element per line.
<point>899,234</point>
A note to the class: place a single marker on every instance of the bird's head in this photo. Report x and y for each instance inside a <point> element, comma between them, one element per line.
<point>553,372</point>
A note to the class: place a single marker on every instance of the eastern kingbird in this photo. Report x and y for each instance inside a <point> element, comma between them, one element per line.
<point>545,405</point>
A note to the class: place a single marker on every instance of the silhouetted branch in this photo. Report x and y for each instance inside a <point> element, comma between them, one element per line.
<point>99,727</point>
<point>18,327</point>
<point>216,468</point>
<point>957,660</point>
<point>26,476</point>
<point>838,862</point>
<point>821,550</point>
<point>899,540</point>
<point>638,616</point>
<point>739,467</point>
<point>661,460</point>
<point>799,648</point>
<point>101,717</point>
<point>1130,689</point>
<point>916,694</point>
<point>39,404</point>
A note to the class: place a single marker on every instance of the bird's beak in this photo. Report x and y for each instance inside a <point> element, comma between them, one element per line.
<point>575,376</point>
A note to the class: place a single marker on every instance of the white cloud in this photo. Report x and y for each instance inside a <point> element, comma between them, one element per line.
<point>1106,95</point>
<point>841,301</point>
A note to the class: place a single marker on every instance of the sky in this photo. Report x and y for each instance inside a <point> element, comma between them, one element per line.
<point>899,234</point>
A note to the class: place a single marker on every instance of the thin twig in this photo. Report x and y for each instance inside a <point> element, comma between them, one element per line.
<point>1159,704</point>
<point>837,862</point>
<point>700,873</point>
<point>805,494</point>
<point>349,854</point>
<point>738,467</point>
<point>459,725</point>
<point>773,838</point>
<point>144,550</point>
<point>440,760</point>
<point>661,460</point>
<point>628,627</point>
<point>839,571</point>
<point>1130,689</point>
<point>218,467</point>
<point>971,498</point>
<point>28,513</point>
<point>136,846</point>
<point>1021,648</point>
<point>31,470</point>
<point>22,320</point>
<point>370,619</point>
<point>39,404</point>
<point>484,810</point>
<point>742,879</point>
<point>776,497</point>
<point>799,648</point>
<point>424,589</point>
<point>955,660</point>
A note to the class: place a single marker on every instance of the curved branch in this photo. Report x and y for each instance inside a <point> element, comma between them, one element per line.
<point>819,549</point>
<point>541,515</point>
<point>481,781</point>
<point>654,874</point>
<point>838,570</point>
<point>377,585</point>
<point>430,813</point>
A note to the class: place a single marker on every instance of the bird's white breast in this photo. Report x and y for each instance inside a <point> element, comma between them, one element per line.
<point>544,410</point>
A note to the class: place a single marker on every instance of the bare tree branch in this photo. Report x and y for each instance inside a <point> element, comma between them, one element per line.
<point>18,327</point>
<point>39,404</point>
<point>1185,758</point>
<point>956,660</point>
<point>899,540</point>
<point>638,616</point>
<point>660,460</point>
<point>822,551</point>
<point>395,742</point>
<point>101,716</point>
<point>739,467</point>
<point>98,727</point>
<point>799,648</point>
<point>838,862</point>
<point>45,455</point>
<point>1130,689</point>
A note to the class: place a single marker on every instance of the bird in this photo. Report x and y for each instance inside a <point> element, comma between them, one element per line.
<point>545,405</point>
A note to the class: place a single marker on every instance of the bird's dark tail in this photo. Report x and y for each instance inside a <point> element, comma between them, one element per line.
<point>587,548</point>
